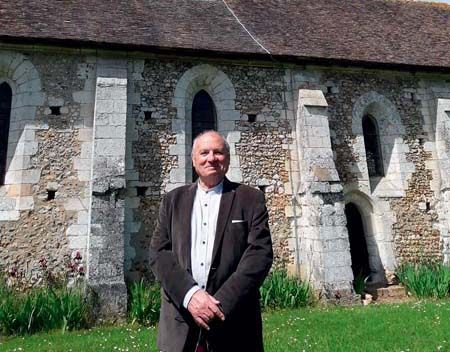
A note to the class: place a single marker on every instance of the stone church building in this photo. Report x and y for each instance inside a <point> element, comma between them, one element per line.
<point>339,111</point>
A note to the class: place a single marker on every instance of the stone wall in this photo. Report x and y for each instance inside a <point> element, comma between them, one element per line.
<point>412,229</point>
<point>51,151</point>
<point>43,227</point>
<point>264,147</point>
<point>261,147</point>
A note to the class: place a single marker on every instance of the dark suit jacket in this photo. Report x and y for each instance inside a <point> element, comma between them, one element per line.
<point>242,256</point>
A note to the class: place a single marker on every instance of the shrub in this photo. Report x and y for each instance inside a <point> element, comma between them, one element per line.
<point>144,302</point>
<point>424,280</point>
<point>43,309</point>
<point>279,290</point>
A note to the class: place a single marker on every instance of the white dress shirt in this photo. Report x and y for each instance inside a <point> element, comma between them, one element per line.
<point>205,212</point>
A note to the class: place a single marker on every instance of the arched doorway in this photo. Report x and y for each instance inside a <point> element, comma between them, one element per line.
<point>5,115</point>
<point>358,244</point>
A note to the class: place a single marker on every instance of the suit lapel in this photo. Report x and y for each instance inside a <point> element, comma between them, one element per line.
<point>226,203</point>
<point>186,206</point>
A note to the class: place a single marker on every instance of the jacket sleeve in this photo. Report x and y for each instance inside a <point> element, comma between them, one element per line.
<point>254,264</point>
<point>175,280</point>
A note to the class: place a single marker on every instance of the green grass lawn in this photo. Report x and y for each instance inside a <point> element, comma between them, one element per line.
<point>421,326</point>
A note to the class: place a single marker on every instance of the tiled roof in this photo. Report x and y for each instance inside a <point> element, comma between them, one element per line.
<point>395,32</point>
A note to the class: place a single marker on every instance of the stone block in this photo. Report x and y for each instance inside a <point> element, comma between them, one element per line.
<point>177,175</point>
<point>31,176</point>
<point>74,204</point>
<point>112,93</point>
<point>25,112</point>
<point>338,274</point>
<point>132,202</point>
<point>85,134</point>
<point>19,162</point>
<point>231,115</point>
<point>234,137</point>
<point>77,242</point>
<point>234,161</point>
<point>83,97</point>
<point>226,126</point>
<point>112,298</point>
<point>23,148</point>
<point>104,107</point>
<point>82,164</point>
<point>25,203</point>
<point>178,126</point>
<point>309,97</point>
<point>120,106</point>
<point>77,230</point>
<point>84,176</point>
<point>235,174</point>
<point>7,204</point>
<point>9,215</point>
<point>132,175</point>
<point>110,132</point>
<point>117,119</point>
<point>109,147</point>
<point>87,110</point>
<point>332,232</point>
<point>132,227</point>
<point>177,149</point>
<point>172,186</point>
<point>226,105</point>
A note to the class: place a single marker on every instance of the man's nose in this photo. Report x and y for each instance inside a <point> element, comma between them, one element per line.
<point>211,156</point>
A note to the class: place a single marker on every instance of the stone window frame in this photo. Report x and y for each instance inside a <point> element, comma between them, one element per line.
<point>221,90</point>
<point>377,219</point>
<point>21,75</point>
<point>397,169</point>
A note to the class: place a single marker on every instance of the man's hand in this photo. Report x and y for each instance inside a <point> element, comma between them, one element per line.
<point>204,308</point>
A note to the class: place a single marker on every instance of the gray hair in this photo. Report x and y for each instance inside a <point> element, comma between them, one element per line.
<point>225,143</point>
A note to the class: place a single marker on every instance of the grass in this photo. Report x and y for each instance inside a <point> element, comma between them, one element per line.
<point>144,302</point>
<point>43,309</point>
<point>425,280</point>
<point>420,326</point>
<point>280,291</point>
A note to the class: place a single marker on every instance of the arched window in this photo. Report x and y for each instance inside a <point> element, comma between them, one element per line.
<point>5,115</point>
<point>203,117</point>
<point>203,114</point>
<point>373,147</point>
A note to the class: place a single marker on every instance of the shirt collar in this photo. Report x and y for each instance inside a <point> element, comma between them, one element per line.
<point>216,189</point>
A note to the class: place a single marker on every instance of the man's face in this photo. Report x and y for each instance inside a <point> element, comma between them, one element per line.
<point>210,157</point>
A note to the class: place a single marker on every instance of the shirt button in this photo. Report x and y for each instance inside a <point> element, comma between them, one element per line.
<point>201,264</point>
<point>206,205</point>
<point>203,242</point>
<point>203,286</point>
<point>204,223</point>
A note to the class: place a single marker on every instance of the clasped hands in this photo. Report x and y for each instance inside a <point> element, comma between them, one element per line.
<point>204,308</point>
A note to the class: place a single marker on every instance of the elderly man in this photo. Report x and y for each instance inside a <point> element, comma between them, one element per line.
<point>211,251</point>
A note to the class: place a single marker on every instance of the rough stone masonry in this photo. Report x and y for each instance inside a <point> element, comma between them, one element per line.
<point>109,136</point>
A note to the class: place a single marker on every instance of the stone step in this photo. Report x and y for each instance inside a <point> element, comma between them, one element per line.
<point>390,293</point>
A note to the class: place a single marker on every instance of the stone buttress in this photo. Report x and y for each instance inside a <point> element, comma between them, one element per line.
<point>105,271</point>
<point>324,246</point>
